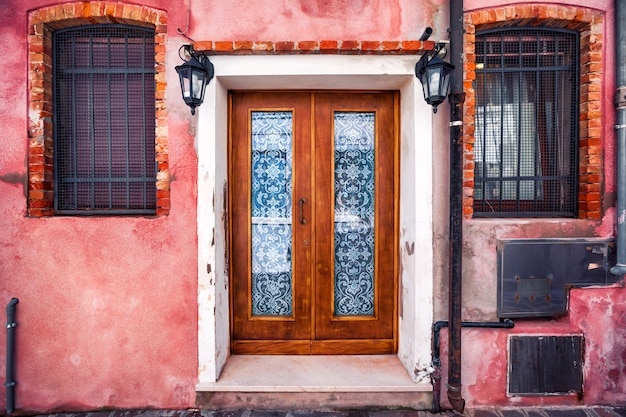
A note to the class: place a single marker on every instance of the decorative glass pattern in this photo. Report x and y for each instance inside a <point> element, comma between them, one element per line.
<point>354,213</point>
<point>271,213</point>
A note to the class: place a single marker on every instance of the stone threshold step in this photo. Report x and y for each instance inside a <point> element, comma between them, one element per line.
<point>316,401</point>
<point>314,373</point>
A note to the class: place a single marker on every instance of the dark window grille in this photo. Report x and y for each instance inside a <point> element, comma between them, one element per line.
<point>104,120</point>
<point>526,131</point>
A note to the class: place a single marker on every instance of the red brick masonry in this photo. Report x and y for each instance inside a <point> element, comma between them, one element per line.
<point>329,47</point>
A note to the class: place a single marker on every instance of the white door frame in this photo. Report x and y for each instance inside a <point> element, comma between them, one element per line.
<point>315,72</point>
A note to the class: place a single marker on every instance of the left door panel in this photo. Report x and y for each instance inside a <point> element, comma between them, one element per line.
<point>270,285</point>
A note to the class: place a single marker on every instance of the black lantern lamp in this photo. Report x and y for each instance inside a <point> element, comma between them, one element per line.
<point>195,74</point>
<point>434,74</point>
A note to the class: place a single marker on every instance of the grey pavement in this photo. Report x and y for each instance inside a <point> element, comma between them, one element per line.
<point>594,411</point>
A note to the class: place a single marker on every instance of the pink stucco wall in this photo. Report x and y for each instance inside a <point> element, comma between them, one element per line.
<point>598,314</point>
<point>108,306</point>
<point>107,313</point>
<point>312,20</point>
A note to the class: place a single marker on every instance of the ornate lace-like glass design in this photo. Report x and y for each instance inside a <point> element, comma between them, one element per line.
<point>354,213</point>
<point>271,213</point>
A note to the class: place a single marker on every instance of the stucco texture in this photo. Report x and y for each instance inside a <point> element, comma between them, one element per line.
<point>108,307</point>
<point>301,20</point>
<point>598,314</point>
<point>107,313</point>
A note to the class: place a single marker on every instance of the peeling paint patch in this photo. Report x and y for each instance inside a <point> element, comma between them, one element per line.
<point>75,359</point>
<point>423,372</point>
<point>409,248</point>
<point>332,9</point>
<point>208,268</point>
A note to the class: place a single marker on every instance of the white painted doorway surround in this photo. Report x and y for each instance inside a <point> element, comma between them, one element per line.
<point>317,72</point>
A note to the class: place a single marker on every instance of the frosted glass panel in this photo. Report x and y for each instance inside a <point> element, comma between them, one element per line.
<point>354,213</point>
<point>271,213</point>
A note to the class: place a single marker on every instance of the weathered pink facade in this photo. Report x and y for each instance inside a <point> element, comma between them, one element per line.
<point>107,310</point>
<point>108,306</point>
<point>598,313</point>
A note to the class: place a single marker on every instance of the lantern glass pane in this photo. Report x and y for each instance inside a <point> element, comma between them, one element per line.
<point>434,80</point>
<point>196,85</point>
<point>445,84</point>
<point>424,81</point>
<point>184,83</point>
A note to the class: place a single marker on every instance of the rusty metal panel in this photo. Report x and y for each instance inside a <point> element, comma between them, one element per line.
<point>545,365</point>
<point>534,275</point>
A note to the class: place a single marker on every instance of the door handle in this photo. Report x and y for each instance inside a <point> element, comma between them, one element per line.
<point>301,203</point>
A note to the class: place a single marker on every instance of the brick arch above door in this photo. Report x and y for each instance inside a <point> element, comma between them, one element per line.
<point>324,47</point>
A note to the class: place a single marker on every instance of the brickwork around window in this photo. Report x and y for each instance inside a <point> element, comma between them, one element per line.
<point>589,24</point>
<point>41,24</point>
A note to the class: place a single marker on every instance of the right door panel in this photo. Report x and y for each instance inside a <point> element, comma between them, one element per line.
<point>355,250</point>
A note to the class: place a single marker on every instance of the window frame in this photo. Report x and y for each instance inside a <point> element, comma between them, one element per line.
<point>149,137</point>
<point>520,207</point>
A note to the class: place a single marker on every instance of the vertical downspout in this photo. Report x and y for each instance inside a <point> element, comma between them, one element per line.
<point>10,377</point>
<point>620,126</point>
<point>457,97</point>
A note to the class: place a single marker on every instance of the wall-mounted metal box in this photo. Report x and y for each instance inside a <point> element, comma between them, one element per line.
<point>534,275</point>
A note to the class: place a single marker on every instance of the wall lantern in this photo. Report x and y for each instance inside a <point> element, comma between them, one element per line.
<point>195,74</point>
<point>434,74</point>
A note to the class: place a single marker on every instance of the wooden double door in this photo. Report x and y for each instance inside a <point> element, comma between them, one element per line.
<point>313,225</point>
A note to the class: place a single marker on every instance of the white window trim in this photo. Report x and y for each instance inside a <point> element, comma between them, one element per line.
<point>328,72</point>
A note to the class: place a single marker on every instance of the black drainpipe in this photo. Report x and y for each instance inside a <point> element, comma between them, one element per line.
<point>620,126</point>
<point>456,98</point>
<point>10,379</point>
<point>436,375</point>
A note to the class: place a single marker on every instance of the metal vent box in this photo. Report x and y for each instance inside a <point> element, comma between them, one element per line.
<point>534,275</point>
<point>546,365</point>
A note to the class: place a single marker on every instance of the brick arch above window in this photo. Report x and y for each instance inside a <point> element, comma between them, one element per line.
<point>41,24</point>
<point>588,23</point>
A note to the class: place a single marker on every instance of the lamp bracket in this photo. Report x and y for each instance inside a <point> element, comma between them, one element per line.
<point>186,52</point>
<point>440,46</point>
<point>441,49</point>
<point>184,32</point>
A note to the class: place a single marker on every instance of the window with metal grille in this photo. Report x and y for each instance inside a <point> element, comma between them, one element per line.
<point>104,120</point>
<point>526,130</point>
